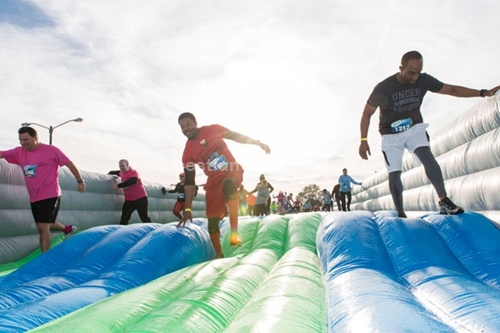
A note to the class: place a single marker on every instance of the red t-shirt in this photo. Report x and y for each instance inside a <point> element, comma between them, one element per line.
<point>209,151</point>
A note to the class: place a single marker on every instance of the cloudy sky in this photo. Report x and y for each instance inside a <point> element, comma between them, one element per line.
<point>294,74</point>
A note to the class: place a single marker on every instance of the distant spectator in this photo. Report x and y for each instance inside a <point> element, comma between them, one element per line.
<point>336,196</point>
<point>327,201</point>
<point>252,211</point>
<point>274,207</point>
<point>242,196</point>
<point>289,203</point>
<point>280,198</point>
<point>297,205</point>
<point>345,189</point>
<point>307,207</point>
<point>179,189</point>
<point>271,189</point>
<point>263,195</point>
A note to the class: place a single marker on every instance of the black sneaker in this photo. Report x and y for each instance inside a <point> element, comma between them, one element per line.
<point>447,207</point>
<point>402,214</point>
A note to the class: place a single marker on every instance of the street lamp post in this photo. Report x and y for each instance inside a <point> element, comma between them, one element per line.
<point>52,128</point>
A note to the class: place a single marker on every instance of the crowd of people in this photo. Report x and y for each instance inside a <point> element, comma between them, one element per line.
<point>224,191</point>
<point>398,97</point>
<point>285,203</point>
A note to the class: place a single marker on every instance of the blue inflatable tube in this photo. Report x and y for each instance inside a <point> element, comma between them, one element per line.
<point>364,293</point>
<point>93,265</point>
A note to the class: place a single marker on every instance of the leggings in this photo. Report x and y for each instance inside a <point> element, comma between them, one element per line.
<point>432,170</point>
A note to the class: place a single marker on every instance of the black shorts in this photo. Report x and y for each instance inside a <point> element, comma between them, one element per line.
<point>46,210</point>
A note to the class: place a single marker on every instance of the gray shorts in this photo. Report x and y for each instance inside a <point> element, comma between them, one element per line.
<point>394,145</point>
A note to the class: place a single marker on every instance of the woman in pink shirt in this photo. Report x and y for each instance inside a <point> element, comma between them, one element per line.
<point>135,194</point>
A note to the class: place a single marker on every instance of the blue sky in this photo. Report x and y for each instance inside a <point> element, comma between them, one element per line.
<point>23,14</point>
<point>294,74</point>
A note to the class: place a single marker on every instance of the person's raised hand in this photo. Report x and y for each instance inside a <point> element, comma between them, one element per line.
<point>491,91</point>
<point>264,147</point>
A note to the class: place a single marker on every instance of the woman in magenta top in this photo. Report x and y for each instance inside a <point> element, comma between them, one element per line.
<point>136,197</point>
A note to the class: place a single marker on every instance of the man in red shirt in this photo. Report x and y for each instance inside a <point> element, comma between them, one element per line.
<point>206,148</point>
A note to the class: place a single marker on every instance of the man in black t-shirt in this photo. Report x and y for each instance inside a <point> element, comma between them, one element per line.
<point>399,98</point>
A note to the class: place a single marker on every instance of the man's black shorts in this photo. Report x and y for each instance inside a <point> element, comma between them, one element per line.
<point>46,210</point>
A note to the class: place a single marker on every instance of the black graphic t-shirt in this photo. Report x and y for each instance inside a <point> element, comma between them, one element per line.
<point>400,103</point>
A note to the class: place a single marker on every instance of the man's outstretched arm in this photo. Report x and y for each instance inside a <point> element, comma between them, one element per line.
<point>240,138</point>
<point>459,91</point>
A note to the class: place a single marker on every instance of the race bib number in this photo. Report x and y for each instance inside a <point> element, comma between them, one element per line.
<point>401,125</point>
<point>219,163</point>
<point>30,170</point>
<point>180,195</point>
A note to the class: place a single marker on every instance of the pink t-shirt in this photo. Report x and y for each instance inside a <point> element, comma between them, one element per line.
<point>135,191</point>
<point>40,168</point>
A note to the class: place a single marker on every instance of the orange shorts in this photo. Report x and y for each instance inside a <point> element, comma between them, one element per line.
<point>214,194</point>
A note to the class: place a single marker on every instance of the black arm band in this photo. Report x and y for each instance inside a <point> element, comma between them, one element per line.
<point>190,174</point>
<point>482,92</point>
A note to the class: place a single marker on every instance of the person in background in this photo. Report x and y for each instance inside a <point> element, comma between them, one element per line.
<point>136,197</point>
<point>263,195</point>
<point>327,201</point>
<point>289,203</point>
<point>271,189</point>
<point>297,204</point>
<point>242,197</point>
<point>274,207</point>
<point>307,207</point>
<point>399,98</point>
<point>251,204</point>
<point>179,189</point>
<point>206,148</point>
<point>40,164</point>
<point>336,196</point>
<point>345,189</point>
<point>280,198</point>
